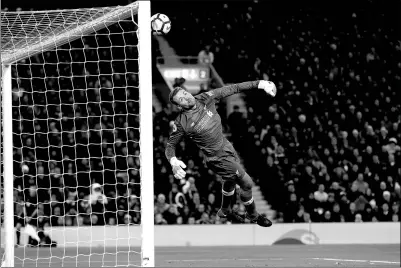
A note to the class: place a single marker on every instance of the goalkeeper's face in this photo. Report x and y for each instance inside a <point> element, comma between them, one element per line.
<point>184,99</point>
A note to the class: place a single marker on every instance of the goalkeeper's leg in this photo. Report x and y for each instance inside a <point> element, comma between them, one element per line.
<point>228,191</point>
<point>246,184</point>
<point>227,165</point>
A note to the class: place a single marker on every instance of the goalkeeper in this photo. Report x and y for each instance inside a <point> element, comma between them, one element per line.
<point>199,120</point>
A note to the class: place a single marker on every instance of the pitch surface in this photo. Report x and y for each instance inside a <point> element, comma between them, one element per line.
<point>252,256</point>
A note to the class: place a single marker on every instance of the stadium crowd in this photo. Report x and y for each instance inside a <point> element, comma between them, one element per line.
<point>325,149</point>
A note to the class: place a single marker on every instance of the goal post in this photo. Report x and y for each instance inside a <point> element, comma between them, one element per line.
<point>146,134</point>
<point>8,168</point>
<point>77,112</point>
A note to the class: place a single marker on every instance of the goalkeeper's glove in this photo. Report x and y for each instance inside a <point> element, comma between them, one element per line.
<point>268,86</point>
<point>177,166</point>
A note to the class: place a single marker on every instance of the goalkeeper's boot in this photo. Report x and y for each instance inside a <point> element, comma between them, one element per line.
<point>260,220</point>
<point>231,215</point>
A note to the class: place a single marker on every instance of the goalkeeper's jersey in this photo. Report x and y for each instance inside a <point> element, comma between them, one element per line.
<point>203,124</point>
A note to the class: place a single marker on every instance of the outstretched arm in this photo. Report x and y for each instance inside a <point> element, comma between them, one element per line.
<point>175,137</point>
<point>176,165</point>
<point>226,91</point>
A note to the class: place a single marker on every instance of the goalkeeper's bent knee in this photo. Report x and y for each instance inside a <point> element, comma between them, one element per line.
<point>246,183</point>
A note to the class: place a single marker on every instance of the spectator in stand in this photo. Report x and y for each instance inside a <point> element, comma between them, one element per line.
<point>351,213</point>
<point>358,218</point>
<point>237,126</point>
<point>206,56</point>
<point>336,215</point>
<point>191,221</point>
<point>292,208</point>
<point>300,215</point>
<point>98,201</point>
<point>320,195</point>
<point>171,214</point>
<point>161,206</point>
<point>189,188</point>
<point>204,219</point>
<point>211,206</point>
<point>159,220</point>
<point>384,213</point>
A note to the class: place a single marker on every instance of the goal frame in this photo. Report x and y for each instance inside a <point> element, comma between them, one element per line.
<point>146,141</point>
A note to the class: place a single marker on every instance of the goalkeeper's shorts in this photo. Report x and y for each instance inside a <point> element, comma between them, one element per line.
<point>226,163</point>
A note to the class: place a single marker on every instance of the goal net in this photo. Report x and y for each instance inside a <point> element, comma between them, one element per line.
<point>77,173</point>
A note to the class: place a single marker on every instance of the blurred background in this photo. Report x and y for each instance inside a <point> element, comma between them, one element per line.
<point>325,149</point>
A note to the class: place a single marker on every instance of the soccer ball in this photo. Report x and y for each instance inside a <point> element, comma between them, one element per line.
<point>161,24</point>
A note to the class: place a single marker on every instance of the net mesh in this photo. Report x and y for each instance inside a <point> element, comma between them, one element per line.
<point>76,135</point>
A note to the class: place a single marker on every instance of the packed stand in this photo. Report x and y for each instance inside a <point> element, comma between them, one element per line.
<point>76,143</point>
<point>327,147</point>
<point>330,144</point>
<point>76,134</point>
<point>327,144</point>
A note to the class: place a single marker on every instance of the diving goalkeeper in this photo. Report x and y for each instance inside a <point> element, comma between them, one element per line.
<point>199,120</point>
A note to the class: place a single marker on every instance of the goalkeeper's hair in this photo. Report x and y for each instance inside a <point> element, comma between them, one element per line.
<point>173,93</point>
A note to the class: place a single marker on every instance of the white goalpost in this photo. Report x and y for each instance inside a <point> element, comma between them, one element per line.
<point>77,143</point>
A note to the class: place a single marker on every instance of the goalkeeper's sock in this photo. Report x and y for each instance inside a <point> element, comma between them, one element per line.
<point>226,200</point>
<point>251,208</point>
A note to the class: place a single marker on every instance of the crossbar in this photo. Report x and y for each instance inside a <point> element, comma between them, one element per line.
<point>15,49</point>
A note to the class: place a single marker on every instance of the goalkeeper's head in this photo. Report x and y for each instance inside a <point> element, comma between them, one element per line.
<point>182,98</point>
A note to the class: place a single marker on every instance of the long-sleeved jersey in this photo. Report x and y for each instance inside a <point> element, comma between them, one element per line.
<point>203,124</point>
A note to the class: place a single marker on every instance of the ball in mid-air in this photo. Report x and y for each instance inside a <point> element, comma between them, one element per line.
<point>161,24</point>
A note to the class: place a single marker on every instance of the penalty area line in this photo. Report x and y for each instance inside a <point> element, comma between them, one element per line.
<point>363,261</point>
